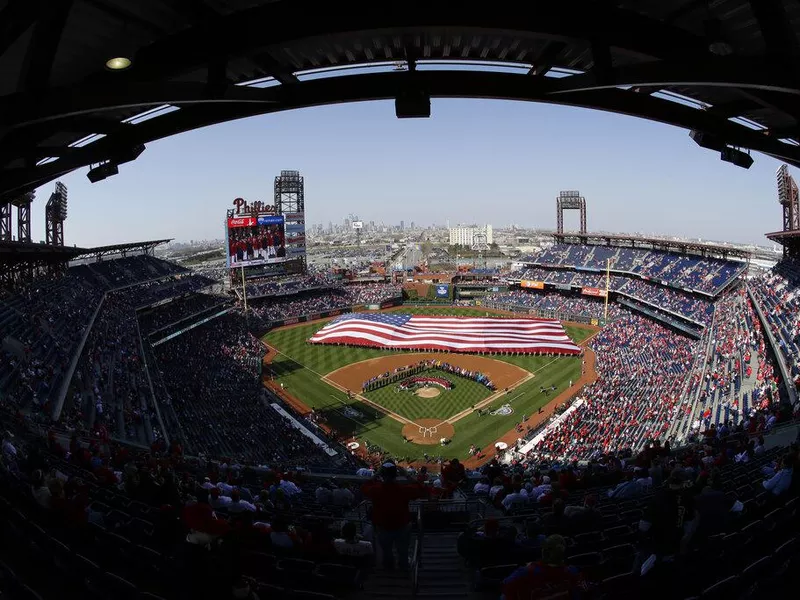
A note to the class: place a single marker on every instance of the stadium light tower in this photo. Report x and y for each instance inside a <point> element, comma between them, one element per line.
<point>570,200</point>
<point>55,215</point>
<point>789,199</point>
<point>23,204</point>
<point>480,245</point>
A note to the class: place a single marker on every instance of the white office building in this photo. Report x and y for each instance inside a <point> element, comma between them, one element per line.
<point>465,236</point>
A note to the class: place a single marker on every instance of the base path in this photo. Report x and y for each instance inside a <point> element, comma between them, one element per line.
<point>428,431</point>
<point>352,377</point>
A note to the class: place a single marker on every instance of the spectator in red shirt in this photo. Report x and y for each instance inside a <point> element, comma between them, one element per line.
<point>545,577</point>
<point>390,514</point>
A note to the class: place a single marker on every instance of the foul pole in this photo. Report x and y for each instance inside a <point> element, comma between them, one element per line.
<point>608,285</point>
<point>244,291</point>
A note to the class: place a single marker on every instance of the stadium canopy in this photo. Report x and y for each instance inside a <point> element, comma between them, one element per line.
<point>729,69</point>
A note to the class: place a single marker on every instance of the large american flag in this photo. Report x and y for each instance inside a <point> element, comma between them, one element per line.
<point>453,334</point>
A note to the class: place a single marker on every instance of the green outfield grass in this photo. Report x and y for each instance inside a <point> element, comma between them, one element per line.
<point>464,394</point>
<point>300,365</point>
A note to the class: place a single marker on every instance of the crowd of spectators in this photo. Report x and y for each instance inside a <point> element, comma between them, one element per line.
<point>708,275</point>
<point>43,323</point>
<point>119,272</point>
<point>778,295</point>
<point>165,524</point>
<point>404,371</point>
<point>313,302</point>
<point>284,286</point>
<point>641,368</point>
<point>212,377</point>
<point>660,522</point>
<point>553,303</point>
<point>665,298</point>
<point>41,327</point>
<point>176,310</point>
<point>109,395</point>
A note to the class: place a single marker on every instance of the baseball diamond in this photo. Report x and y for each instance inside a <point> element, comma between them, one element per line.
<point>331,380</point>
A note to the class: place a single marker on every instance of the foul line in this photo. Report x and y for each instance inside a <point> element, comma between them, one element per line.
<point>344,390</point>
<point>368,402</point>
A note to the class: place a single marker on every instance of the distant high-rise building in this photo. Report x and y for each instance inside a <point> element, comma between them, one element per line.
<point>412,225</point>
<point>465,236</point>
<point>402,225</point>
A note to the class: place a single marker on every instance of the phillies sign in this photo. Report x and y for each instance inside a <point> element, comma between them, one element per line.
<point>244,207</point>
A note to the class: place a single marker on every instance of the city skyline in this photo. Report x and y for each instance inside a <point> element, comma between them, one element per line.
<point>473,162</point>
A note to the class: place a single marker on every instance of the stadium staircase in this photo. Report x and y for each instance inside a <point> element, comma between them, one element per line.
<point>437,572</point>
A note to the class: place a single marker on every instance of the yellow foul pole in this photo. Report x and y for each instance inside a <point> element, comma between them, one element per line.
<point>608,285</point>
<point>244,291</point>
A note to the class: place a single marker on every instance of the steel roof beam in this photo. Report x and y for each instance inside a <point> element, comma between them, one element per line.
<point>377,86</point>
<point>38,63</point>
<point>278,24</point>
<point>544,61</point>
<point>202,14</point>
<point>15,19</point>
<point>727,72</point>
<point>776,29</point>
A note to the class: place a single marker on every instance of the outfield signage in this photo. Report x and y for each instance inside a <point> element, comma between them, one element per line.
<point>591,291</point>
<point>536,285</point>
<point>192,326</point>
<point>563,286</point>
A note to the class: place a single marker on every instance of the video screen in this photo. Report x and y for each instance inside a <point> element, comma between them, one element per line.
<point>256,240</point>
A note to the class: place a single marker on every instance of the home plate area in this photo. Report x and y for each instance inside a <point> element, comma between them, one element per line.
<point>428,431</point>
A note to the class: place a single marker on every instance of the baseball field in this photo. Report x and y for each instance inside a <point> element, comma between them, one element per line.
<point>409,422</point>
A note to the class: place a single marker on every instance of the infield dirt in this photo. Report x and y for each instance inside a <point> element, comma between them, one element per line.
<point>352,377</point>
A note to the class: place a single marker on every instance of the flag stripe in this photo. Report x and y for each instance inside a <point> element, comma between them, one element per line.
<point>459,334</point>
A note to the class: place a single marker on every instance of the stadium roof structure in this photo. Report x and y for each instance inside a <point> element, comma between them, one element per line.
<point>20,260</point>
<point>727,68</point>
<point>790,240</point>
<point>121,249</point>
<point>666,245</point>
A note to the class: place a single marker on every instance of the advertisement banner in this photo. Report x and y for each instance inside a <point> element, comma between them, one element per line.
<point>443,290</point>
<point>590,291</point>
<point>295,228</point>
<point>563,286</point>
<point>297,239</point>
<point>389,303</point>
<point>241,222</point>
<point>537,285</point>
<point>373,306</point>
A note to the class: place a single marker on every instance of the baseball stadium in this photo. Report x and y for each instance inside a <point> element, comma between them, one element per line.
<point>376,409</point>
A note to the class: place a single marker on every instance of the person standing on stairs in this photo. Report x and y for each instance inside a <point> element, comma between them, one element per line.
<point>390,513</point>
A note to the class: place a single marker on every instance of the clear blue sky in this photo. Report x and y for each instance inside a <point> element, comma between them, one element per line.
<point>472,161</point>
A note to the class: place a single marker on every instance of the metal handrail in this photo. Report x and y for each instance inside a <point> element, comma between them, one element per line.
<point>416,559</point>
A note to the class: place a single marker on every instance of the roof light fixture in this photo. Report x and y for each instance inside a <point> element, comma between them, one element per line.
<point>717,44</point>
<point>118,63</point>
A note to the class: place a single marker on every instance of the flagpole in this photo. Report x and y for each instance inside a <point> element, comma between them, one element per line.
<point>244,291</point>
<point>608,282</point>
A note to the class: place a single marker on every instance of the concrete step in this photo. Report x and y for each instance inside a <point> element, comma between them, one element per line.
<point>443,583</point>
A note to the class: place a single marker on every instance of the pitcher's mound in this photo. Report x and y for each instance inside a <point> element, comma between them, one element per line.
<point>428,431</point>
<point>428,392</point>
